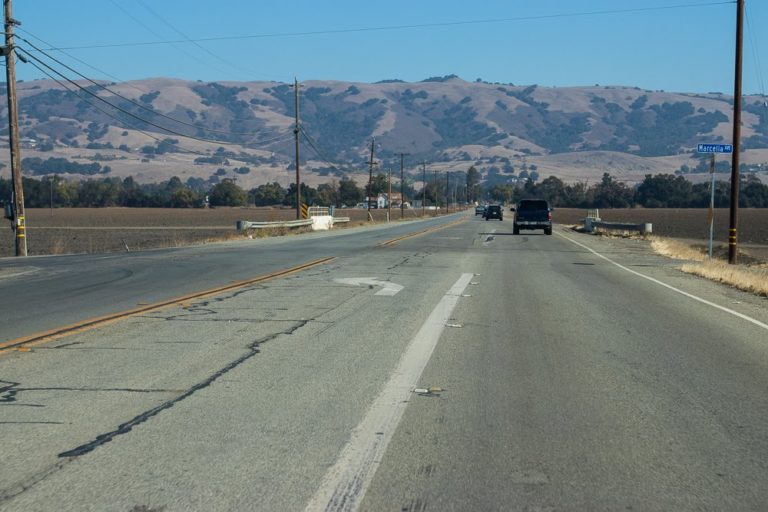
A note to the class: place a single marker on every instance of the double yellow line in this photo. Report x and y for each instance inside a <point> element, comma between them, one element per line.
<point>22,344</point>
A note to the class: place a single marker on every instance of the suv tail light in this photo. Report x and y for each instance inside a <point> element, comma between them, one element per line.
<point>549,215</point>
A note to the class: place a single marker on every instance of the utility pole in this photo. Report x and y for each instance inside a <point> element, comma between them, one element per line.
<point>370,176</point>
<point>447,191</point>
<point>436,203</point>
<point>734,218</point>
<point>296,130</point>
<point>389,194</point>
<point>402,185</point>
<point>18,217</point>
<point>424,188</point>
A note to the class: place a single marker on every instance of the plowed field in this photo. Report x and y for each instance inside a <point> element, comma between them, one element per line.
<point>98,230</point>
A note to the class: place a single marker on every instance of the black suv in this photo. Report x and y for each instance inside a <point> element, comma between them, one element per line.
<point>494,211</point>
<point>532,214</point>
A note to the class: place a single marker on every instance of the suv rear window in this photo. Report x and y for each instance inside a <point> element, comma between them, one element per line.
<point>533,205</point>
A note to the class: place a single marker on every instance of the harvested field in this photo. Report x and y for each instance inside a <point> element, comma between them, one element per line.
<point>101,230</point>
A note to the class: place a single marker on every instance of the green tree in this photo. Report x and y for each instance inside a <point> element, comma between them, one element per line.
<point>327,194</point>
<point>308,195</point>
<point>473,184</point>
<point>553,190</point>
<point>501,193</point>
<point>268,194</point>
<point>227,193</point>
<point>664,191</point>
<point>753,193</point>
<point>378,185</point>
<point>184,198</point>
<point>349,193</point>
<point>610,193</point>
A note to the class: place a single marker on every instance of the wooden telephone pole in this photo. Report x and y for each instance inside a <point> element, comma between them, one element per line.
<point>18,217</point>
<point>402,184</point>
<point>370,177</point>
<point>296,130</point>
<point>734,212</point>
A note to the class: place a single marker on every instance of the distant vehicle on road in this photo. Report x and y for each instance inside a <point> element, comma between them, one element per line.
<point>494,211</point>
<point>480,210</point>
<point>532,214</point>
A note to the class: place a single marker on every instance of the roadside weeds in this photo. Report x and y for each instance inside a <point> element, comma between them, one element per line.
<point>750,277</point>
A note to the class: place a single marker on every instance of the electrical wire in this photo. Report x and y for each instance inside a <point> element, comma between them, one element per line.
<point>159,36</point>
<point>123,122</point>
<point>409,26</point>
<point>114,78</point>
<point>131,114</point>
<point>239,68</point>
<point>756,57</point>
<point>313,145</point>
<point>133,102</point>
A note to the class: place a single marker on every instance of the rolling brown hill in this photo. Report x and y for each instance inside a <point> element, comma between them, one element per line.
<point>163,127</point>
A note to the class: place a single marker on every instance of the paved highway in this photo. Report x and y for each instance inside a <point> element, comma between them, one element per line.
<point>530,372</point>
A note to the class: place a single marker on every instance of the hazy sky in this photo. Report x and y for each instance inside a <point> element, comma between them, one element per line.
<point>672,45</point>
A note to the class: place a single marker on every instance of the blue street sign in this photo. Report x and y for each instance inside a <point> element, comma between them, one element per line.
<point>715,148</point>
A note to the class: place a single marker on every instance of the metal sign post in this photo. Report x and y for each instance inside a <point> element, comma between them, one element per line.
<point>712,149</point>
<point>711,214</point>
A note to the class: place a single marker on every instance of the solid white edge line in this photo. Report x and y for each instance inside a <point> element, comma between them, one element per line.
<point>345,483</point>
<point>665,285</point>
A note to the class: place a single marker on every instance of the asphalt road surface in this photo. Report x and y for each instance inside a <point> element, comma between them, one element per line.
<point>461,369</point>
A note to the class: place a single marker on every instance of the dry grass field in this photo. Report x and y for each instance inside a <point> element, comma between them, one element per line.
<point>102,230</point>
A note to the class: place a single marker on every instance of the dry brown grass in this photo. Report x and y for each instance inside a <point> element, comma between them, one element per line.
<point>753,279</point>
<point>676,249</point>
<point>750,278</point>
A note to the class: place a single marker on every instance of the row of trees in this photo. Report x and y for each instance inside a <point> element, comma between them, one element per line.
<point>56,191</point>
<point>659,191</point>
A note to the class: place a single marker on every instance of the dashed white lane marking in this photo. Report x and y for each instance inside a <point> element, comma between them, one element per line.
<point>345,484</point>
<point>665,285</point>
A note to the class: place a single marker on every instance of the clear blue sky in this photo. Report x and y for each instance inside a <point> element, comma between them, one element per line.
<point>673,45</point>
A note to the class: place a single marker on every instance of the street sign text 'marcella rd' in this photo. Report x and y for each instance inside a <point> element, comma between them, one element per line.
<point>714,148</point>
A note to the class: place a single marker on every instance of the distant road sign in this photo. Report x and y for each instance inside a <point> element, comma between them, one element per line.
<point>715,148</point>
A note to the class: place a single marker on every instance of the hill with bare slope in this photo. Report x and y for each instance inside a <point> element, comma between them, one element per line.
<point>157,128</point>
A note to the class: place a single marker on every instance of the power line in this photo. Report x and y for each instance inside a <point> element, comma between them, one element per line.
<point>138,118</point>
<point>150,30</point>
<point>313,145</point>
<point>111,115</point>
<point>116,79</point>
<point>755,55</point>
<point>85,90</point>
<point>406,27</point>
<point>133,102</point>
<point>187,38</point>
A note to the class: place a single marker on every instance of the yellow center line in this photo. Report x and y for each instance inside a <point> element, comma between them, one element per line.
<point>418,233</point>
<point>84,325</point>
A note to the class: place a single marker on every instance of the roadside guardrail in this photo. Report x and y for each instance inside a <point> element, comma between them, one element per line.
<point>244,225</point>
<point>593,222</point>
